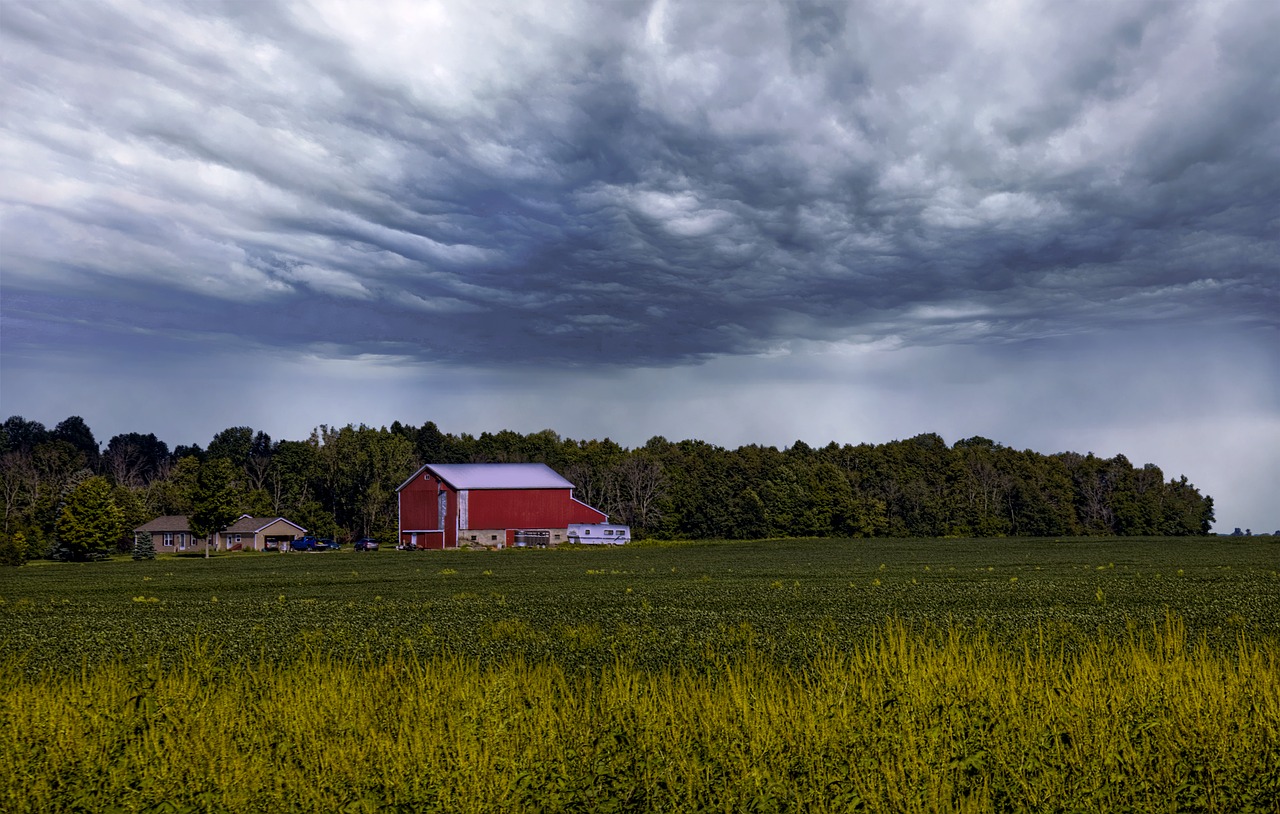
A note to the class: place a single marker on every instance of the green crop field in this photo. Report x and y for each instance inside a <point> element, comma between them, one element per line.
<point>798,675</point>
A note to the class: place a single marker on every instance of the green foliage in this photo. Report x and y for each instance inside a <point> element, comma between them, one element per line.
<point>908,723</point>
<point>654,603</point>
<point>215,506</point>
<point>175,494</point>
<point>133,513</point>
<point>14,549</point>
<point>58,468</point>
<point>135,460</point>
<point>75,432</point>
<point>17,434</point>
<point>144,548</point>
<point>801,675</point>
<point>341,482</point>
<point>234,443</point>
<point>359,469</point>
<point>90,524</point>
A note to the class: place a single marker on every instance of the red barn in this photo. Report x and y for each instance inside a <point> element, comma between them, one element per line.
<point>445,505</point>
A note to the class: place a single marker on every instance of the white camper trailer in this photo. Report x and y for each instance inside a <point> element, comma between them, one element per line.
<point>599,534</point>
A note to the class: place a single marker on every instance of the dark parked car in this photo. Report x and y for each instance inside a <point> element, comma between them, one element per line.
<point>366,544</point>
<point>313,544</point>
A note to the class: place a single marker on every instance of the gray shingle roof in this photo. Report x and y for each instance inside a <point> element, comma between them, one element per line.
<point>169,522</point>
<point>178,522</point>
<point>256,524</point>
<point>497,476</point>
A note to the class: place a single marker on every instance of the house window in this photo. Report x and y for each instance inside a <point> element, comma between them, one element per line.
<point>237,538</point>
<point>168,538</point>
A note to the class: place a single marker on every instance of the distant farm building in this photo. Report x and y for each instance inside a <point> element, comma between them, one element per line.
<point>497,505</point>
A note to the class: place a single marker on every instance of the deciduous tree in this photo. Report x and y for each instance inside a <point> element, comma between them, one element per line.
<point>90,522</point>
<point>214,507</point>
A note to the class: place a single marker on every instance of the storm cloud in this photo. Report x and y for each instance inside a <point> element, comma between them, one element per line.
<point>639,186</point>
<point>640,183</point>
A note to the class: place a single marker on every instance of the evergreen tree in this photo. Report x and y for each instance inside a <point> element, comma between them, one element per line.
<point>144,548</point>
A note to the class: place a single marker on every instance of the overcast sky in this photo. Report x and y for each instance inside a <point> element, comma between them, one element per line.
<point>1054,224</point>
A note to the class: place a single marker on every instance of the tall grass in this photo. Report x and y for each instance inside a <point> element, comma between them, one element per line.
<point>910,720</point>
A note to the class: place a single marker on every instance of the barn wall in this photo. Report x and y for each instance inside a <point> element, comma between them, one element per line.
<point>427,539</point>
<point>490,538</point>
<point>527,508</point>
<point>418,503</point>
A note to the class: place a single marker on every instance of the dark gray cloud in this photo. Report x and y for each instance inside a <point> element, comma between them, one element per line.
<point>1054,224</point>
<point>636,183</point>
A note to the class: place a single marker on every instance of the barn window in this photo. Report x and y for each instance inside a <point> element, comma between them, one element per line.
<point>493,536</point>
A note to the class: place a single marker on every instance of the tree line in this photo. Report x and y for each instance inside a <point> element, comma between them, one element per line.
<point>65,495</point>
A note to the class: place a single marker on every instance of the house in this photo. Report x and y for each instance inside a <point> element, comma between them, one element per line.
<point>259,534</point>
<point>598,534</point>
<point>498,505</point>
<point>172,533</point>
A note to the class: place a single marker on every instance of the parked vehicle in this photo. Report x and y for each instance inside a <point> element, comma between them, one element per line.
<point>314,544</point>
<point>366,544</point>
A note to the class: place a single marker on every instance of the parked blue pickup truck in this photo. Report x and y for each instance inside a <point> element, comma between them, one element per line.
<point>314,544</point>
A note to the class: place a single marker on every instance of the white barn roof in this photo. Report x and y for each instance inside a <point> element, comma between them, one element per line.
<point>496,476</point>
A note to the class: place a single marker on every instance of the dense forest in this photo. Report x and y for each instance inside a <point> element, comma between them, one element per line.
<point>61,484</point>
